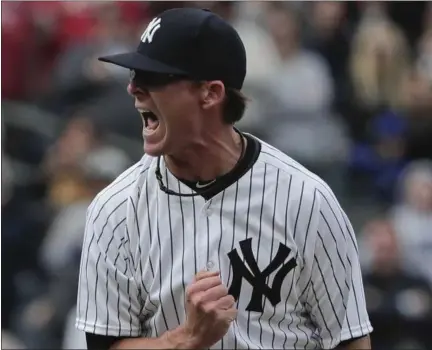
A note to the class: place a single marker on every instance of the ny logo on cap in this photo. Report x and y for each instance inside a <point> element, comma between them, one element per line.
<point>150,31</point>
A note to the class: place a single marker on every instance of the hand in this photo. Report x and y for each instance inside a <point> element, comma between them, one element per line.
<point>209,310</point>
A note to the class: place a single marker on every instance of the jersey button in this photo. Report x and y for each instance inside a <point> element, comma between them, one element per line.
<point>209,265</point>
<point>208,212</point>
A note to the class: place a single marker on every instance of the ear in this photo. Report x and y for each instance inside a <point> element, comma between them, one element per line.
<point>213,94</point>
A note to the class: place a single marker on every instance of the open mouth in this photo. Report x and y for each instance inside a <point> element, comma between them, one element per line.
<point>151,121</point>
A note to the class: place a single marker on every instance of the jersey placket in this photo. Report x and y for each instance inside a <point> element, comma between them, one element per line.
<point>203,236</point>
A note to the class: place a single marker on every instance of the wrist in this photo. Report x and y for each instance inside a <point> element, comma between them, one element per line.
<point>179,338</point>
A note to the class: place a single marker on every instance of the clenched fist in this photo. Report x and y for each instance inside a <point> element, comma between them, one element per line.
<point>209,310</point>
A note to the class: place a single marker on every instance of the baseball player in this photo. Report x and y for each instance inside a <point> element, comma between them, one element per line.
<point>214,239</point>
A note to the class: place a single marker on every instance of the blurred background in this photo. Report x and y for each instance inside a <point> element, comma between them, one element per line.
<point>343,87</point>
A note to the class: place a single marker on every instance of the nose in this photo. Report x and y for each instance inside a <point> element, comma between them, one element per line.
<point>133,90</point>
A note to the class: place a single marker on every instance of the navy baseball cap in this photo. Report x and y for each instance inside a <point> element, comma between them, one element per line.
<point>190,42</point>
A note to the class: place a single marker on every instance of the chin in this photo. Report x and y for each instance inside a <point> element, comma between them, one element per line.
<point>156,147</point>
<point>156,142</point>
<point>153,150</point>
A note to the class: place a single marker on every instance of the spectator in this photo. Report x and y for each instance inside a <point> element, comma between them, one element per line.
<point>418,97</point>
<point>379,65</point>
<point>329,33</point>
<point>412,218</point>
<point>298,116</point>
<point>43,319</point>
<point>17,66</point>
<point>99,168</point>
<point>23,228</point>
<point>379,70</point>
<point>424,60</point>
<point>384,157</point>
<point>399,303</point>
<point>8,295</point>
<point>380,62</point>
<point>78,76</point>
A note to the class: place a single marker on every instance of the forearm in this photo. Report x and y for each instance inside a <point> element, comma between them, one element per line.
<point>141,343</point>
<point>174,339</point>
<point>362,343</point>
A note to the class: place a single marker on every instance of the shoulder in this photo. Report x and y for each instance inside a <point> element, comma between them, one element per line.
<point>295,173</point>
<point>309,198</point>
<point>126,185</point>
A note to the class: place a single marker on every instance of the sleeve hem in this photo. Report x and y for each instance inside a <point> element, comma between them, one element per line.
<point>348,333</point>
<point>106,329</point>
<point>356,331</point>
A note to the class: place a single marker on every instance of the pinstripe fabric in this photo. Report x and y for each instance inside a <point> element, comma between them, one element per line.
<point>143,247</point>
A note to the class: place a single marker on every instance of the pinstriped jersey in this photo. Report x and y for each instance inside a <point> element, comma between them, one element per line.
<point>283,245</point>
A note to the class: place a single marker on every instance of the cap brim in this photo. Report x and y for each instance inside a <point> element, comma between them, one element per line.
<point>134,60</point>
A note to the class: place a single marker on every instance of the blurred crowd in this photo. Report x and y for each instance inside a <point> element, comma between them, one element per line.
<point>345,88</point>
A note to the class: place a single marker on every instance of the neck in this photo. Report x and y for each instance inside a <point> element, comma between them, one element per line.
<point>208,157</point>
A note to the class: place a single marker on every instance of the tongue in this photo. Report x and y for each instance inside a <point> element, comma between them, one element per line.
<point>152,124</point>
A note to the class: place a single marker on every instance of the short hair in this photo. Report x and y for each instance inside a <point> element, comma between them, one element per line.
<point>234,105</point>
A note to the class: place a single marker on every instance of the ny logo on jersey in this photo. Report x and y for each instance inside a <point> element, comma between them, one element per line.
<point>257,278</point>
<point>151,29</point>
